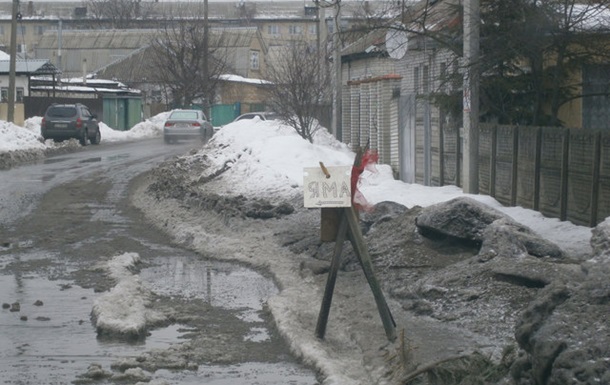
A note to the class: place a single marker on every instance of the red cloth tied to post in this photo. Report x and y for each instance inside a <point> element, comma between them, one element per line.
<point>369,158</point>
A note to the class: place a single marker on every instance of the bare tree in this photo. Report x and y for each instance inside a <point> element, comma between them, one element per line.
<point>188,60</point>
<point>301,86</point>
<point>532,52</point>
<point>120,14</point>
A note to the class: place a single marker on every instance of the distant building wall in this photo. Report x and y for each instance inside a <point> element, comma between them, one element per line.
<point>19,116</point>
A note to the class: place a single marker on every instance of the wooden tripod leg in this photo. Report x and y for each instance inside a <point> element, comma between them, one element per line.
<point>357,240</point>
<point>332,277</point>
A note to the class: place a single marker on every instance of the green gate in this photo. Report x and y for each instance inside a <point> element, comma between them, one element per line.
<point>224,113</point>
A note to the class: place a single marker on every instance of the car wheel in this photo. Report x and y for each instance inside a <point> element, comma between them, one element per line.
<point>97,138</point>
<point>84,139</point>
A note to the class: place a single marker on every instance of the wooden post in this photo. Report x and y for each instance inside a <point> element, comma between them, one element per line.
<point>329,223</point>
<point>332,277</point>
<point>349,226</point>
<point>361,251</point>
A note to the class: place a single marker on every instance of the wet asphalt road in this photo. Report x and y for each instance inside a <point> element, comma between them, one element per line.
<point>63,216</point>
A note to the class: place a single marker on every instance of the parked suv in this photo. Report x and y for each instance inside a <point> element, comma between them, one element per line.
<point>66,121</point>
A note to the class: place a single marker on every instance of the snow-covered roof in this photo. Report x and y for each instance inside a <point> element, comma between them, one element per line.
<point>30,66</point>
<point>241,79</point>
<point>86,89</point>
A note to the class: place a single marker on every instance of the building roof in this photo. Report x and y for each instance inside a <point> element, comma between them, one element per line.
<point>29,67</point>
<point>134,68</point>
<point>275,9</point>
<point>97,39</point>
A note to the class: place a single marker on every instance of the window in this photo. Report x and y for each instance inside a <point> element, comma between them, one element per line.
<point>312,29</point>
<point>416,80</point>
<point>40,30</point>
<point>295,30</point>
<point>22,30</point>
<point>19,93</point>
<point>4,94</point>
<point>254,60</point>
<point>426,79</point>
<point>273,29</point>
<point>21,48</point>
<point>1,30</point>
<point>445,85</point>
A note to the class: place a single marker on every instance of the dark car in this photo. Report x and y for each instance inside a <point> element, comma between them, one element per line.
<point>67,121</point>
<point>187,124</point>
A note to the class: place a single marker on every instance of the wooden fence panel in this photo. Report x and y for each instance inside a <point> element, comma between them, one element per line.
<point>420,142</point>
<point>373,122</point>
<point>580,176</point>
<point>603,200</point>
<point>365,115</point>
<point>527,168</point>
<point>551,167</point>
<point>346,114</point>
<point>505,162</point>
<point>486,159</point>
<point>451,155</point>
<point>435,147</point>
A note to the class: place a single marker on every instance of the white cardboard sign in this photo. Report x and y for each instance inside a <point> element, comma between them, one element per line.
<point>323,191</point>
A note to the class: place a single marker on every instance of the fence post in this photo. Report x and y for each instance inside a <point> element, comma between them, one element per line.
<point>513,191</point>
<point>563,213</point>
<point>441,152</point>
<point>595,181</point>
<point>492,161</point>
<point>458,159</point>
<point>537,162</point>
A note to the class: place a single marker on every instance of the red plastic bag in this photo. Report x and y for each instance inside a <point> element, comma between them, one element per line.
<point>368,161</point>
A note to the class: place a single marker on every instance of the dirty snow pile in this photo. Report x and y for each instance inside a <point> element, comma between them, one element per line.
<point>124,310</point>
<point>266,159</point>
<point>13,137</point>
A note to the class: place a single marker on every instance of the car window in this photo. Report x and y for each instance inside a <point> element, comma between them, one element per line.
<point>61,112</point>
<point>248,116</point>
<point>184,115</point>
<point>85,113</point>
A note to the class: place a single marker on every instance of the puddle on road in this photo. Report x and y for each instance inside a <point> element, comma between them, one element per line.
<point>57,342</point>
<point>220,284</point>
<point>249,373</point>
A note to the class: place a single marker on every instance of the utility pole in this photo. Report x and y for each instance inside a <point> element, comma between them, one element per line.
<point>206,49</point>
<point>10,114</point>
<point>59,42</point>
<point>336,121</point>
<point>470,183</point>
<point>336,78</point>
